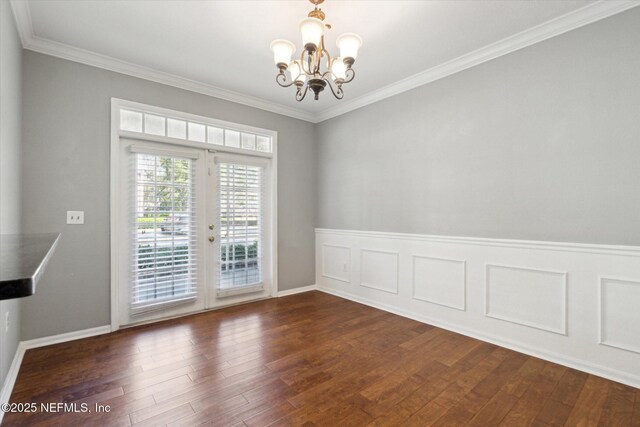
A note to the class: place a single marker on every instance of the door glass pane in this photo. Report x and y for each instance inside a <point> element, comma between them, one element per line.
<point>196,132</point>
<point>154,125</point>
<point>215,135</point>
<point>232,138</point>
<point>264,144</point>
<point>130,120</point>
<point>240,197</point>
<point>248,141</point>
<point>164,255</point>
<point>177,128</point>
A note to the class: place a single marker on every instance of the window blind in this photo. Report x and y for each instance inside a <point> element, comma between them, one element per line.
<point>164,256</point>
<point>240,209</point>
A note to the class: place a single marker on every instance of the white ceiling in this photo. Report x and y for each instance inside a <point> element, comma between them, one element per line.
<point>226,43</point>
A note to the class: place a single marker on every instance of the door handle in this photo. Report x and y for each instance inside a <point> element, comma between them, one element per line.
<point>212,238</point>
<point>211,226</point>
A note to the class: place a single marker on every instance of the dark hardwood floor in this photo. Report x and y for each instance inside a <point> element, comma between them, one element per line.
<point>308,359</point>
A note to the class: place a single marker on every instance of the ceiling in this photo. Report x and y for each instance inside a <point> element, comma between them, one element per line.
<point>224,45</point>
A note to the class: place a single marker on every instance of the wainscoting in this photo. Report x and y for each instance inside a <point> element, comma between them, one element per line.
<point>573,304</point>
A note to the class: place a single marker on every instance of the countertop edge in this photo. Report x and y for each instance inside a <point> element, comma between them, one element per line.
<point>36,275</point>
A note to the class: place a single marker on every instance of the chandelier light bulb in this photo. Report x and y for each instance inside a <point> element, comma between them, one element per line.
<point>297,74</point>
<point>282,52</point>
<point>349,43</point>
<point>339,69</point>
<point>312,30</point>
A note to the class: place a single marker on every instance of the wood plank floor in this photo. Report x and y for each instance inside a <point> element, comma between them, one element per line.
<point>308,359</point>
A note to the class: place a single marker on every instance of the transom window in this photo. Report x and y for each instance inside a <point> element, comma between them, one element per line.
<point>187,130</point>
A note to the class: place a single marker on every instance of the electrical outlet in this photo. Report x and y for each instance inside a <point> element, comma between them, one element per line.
<point>6,322</point>
<point>75,217</point>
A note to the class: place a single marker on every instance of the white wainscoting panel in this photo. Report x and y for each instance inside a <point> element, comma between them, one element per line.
<point>620,313</point>
<point>379,270</point>
<point>336,262</point>
<point>570,303</point>
<point>440,281</point>
<point>527,296</point>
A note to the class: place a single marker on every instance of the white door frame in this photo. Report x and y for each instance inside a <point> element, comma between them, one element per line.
<point>117,170</point>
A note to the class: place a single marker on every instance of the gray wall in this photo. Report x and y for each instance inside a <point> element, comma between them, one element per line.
<point>10,139</point>
<point>66,154</point>
<point>541,144</point>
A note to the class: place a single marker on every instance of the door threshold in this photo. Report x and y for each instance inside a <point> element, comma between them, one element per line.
<point>193,313</point>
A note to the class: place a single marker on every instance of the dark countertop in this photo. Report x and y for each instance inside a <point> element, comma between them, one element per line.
<point>23,258</point>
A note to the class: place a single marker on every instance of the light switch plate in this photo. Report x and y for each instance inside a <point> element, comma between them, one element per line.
<point>75,217</point>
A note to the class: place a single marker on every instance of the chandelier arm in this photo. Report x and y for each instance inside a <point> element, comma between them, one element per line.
<point>301,94</point>
<point>329,58</point>
<point>338,93</point>
<point>319,55</point>
<point>351,74</point>
<point>309,63</point>
<point>302,64</point>
<point>284,79</point>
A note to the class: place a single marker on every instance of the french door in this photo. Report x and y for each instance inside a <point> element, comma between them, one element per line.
<point>196,230</point>
<point>238,258</point>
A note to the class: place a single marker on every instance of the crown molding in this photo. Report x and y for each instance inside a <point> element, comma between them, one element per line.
<point>586,15</point>
<point>578,18</point>
<point>37,44</point>
<point>24,23</point>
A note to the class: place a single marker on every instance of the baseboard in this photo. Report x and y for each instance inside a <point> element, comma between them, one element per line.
<point>69,336</point>
<point>580,365</point>
<point>12,375</point>
<point>297,290</point>
<point>14,369</point>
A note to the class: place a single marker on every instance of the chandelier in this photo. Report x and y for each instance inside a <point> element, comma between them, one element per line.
<point>310,71</point>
